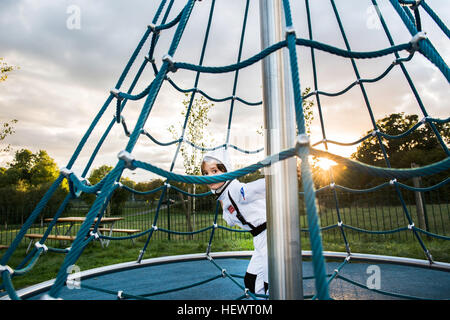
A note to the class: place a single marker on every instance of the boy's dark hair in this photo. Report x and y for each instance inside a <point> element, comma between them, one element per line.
<point>220,166</point>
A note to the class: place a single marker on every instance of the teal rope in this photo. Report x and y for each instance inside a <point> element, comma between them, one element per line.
<point>426,48</point>
<point>209,97</point>
<point>228,275</point>
<point>34,214</point>
<point>176,39</point>
<point>80,146</point>
<point>302,42</point>
<point>6,276</point>
<point>199,147</point>
<point>78,243</point>
<point>196,284</point>
<point>307,181</point>
<point>386,172</point>
<point>216,178</point>
<point>411,84</point>
<point>436,18</point>
<point>379,291</point>
<point>154,224</point>
<point>334,94</point>
<point>385,184</point>
<point>236,74</point>
<point>107,186</point>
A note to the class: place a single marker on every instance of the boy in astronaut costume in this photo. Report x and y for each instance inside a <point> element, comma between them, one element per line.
<point>243,204</point>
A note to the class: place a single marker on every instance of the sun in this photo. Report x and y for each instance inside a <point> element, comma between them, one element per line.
<point>324,163</point>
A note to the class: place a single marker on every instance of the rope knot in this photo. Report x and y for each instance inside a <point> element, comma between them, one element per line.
<point>421,35</point>
<point>116,93</point>
<point>39,245</point>
<point>169,59</point>
<point>94,234</point>
<point>152,27</point>
<point>302,141</point>
<point>289,30</point>
<point>151,60</point>
<point>6,268</point>
<point>66,172</point>
<point>127,158</point>
<point>416,5</point>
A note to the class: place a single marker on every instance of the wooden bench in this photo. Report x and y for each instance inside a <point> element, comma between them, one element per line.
<point>51,236</point>
<point>3,247</point>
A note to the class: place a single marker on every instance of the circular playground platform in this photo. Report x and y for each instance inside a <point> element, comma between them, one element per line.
<point>194,277</point>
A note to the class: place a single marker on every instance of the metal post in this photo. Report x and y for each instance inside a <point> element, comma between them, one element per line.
<point>283,235</point>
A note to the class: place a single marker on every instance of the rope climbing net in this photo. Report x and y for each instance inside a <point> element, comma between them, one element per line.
<point>409,12</point>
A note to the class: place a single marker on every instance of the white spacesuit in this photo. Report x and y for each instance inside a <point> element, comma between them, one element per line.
<point>244,204</point>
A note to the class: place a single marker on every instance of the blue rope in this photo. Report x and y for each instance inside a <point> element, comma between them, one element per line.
<point>426,48</point>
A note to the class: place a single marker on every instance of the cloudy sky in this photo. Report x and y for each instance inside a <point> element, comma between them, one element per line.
<point>71,53</point>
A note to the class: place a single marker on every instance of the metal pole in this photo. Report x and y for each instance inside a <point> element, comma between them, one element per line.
<point>283,235</point>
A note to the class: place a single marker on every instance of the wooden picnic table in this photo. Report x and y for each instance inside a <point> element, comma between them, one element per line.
<point>73,220</point>
<point>81,219</point>
<point>106,226</point>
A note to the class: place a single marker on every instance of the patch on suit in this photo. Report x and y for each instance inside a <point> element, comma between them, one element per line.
<point>242,193</point>
<point>230,209</point>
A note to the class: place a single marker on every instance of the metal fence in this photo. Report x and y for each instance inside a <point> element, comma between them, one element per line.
<point>378,211</point>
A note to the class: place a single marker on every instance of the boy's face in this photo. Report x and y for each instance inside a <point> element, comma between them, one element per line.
<point>210,169</point>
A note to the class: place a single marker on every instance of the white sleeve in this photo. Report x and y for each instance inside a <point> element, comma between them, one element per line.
<point>228,219</point>
<point>253,190</point>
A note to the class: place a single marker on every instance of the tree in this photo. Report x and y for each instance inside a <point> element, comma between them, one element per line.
<point>308,110</point>
<point>33,169</point>
<point>44,169</point>
<point>5,69</point>
<point>26,179</point>
<point>7,127</point>
<point>118,198</point>
<point>195,132</point>
<point>99,173</point>
<point>6,130</point>
<point>146,186</point>
<point>420,146</point>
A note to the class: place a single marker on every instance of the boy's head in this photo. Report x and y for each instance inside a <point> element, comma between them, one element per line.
<point>216,162</point>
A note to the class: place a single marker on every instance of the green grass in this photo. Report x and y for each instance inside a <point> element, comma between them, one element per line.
<point>95,256</point>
